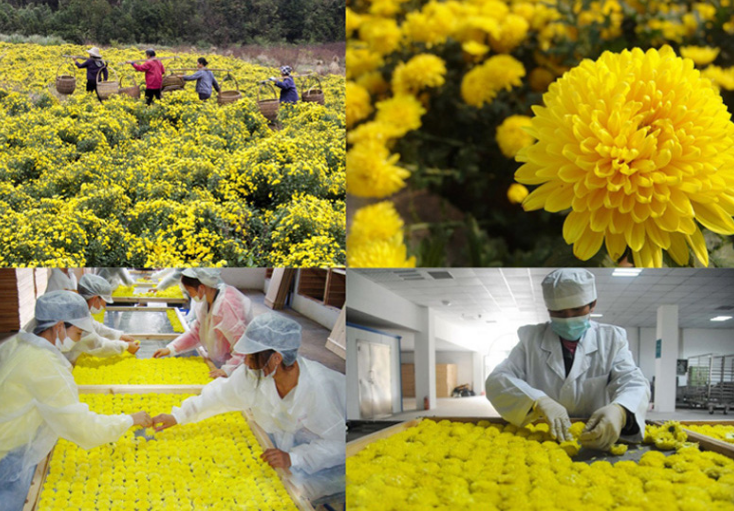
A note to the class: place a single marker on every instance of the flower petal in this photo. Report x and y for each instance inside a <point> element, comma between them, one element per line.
<point>616,245</point>
<point>678,249</point>
<point>698,244</point>
<point>714,218</point>
<point>588,245</point>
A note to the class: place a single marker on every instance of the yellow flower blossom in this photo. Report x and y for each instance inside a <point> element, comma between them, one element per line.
<point>379,254</point>
<point>516,193</point>
<point>383,35</point>
<point>371,170</point>
<point>701,55</point>
<point>481,84</point>
<point>378,221</point>
<point>721,78</point>
<point>403,113</point>
<point>511,136</point>
<point>420,72</point>
<point>358,103</point>
<point>639,147</point>
<point>513,31</point>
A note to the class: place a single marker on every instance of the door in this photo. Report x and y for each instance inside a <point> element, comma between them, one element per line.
<point>375,379</point>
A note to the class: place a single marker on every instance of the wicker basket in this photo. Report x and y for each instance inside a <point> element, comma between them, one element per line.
<point>314,94</point>
<point>107,88</point>
<point>173,81</point>
<point>65,84</point>
<point>226,97</point>
<point>268,107</point>
<point>133,90</point>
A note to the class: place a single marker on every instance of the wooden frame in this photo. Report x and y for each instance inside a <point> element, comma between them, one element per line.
<point>39,477</point>
<point>325,286</point>
<point>357,445</point>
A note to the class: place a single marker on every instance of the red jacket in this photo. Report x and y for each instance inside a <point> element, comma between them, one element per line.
<point>153,73</point>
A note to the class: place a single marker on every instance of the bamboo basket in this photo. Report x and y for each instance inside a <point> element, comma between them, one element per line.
<point>107,88</point>
<point>226,97</point>
<point>133,91</point>
<point>268,107</point>
<point>315,94</point>
<point>173,81</point>
<point>65,84</point>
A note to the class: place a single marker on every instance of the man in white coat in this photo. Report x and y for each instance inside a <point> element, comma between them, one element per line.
<point>571,366</point>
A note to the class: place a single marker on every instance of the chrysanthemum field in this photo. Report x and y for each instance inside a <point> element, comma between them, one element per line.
<point>179,183</point>
<point>540,133</point>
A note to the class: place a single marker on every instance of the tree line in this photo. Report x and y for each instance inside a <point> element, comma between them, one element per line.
<point>176,22</point>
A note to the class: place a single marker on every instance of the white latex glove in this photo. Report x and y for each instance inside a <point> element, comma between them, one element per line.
<point>556,416</point>
<point>604,427</point>
<point>272,79</point>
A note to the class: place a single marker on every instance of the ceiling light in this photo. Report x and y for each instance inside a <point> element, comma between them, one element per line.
<point>721,318</point>
<point>626,272</point>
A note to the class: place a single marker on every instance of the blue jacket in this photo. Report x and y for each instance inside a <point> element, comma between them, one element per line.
<point>288,92</point>
<point>205,81</point>
<point>93,66</point>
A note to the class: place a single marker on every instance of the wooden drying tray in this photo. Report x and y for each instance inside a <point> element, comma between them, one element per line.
<point>39,477</point>
<point>148,299</point>
<point>284,474</point>
<point>138,308</point>
<point>707,443</point>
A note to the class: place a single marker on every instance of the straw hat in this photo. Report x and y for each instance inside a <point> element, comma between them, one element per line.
<point>94,52</point>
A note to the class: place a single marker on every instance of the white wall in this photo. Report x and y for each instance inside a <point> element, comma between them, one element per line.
<point>365,296</point>
<point>244,278</point>
<point>351,367</point>
<point>464,361</point>
<point>324,315</point>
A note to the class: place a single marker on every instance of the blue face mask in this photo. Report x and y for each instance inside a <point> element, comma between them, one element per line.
<point>570,329</point>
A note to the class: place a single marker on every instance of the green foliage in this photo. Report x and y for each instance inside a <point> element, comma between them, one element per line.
<point>172,22</point>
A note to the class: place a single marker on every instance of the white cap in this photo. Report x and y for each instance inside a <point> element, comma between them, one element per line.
<point>207,276</point>
<point>93,285</point>
<point>94,52</point>
<point>271,331</point>
<point>63,306</point>
<point>568,288</point>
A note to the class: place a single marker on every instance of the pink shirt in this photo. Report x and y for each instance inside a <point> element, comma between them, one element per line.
<point>153,73</point>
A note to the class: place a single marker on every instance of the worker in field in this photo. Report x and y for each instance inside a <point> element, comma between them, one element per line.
<point>40,400</point>
<point>300,403</point>
<point>288,92</point>
<point>222,315</point>
<point>153,69</point>
<point>102,341</point>
<point>95,66</point>
<point>571,366</point>
<point>205,80</point>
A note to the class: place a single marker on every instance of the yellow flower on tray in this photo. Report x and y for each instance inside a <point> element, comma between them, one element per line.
<point>127,369</point>
<point>640,148</point>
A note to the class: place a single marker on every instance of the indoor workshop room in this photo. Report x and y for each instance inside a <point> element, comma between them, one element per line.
<point>184,388</point>
<point>540,388</point>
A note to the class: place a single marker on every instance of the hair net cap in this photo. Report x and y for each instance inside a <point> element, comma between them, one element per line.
<point>208,276</point>
<point>568,288</point>
<point>93,285</point>
<point>271,332</point>
<point>63,306</point>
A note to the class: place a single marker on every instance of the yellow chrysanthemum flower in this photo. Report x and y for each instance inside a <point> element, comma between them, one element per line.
<point>382,34</point>
<point>511,137</point>
<point>379,221</point>
<point>639,147</point>
<point>516,193</point>
<point>513,31</point>
<point>475,48</point>
<point>374,83</point>
<point>379,254</point>
<point>481,84</point>
<point>361,60</point>
<point>422,71</point>
<point>540,78</point>
<point>403,113</point>
<point>721,78</point>
<point>358,103</point>
<point>701,55</point>
<point>353,21</point>
<point>371,170</point>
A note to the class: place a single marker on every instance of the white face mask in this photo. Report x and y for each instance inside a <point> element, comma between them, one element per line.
<point>197,299</point>
<point>96,310</point>
<point>66,345</point>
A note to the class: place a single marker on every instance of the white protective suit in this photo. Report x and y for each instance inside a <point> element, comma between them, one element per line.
<point>58,281</point>
<point>309,423</point>
<point>103,342</point>
<point>115,276</point>
<point>40,403</point>
<point>603,372</point>
<point>218,328</point>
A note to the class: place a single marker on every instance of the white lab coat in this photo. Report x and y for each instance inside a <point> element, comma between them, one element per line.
<point>309,423</point>
<point>40,403</point>
<point>603,372</point>
<point>58,281</point>
<point>102,342</point>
